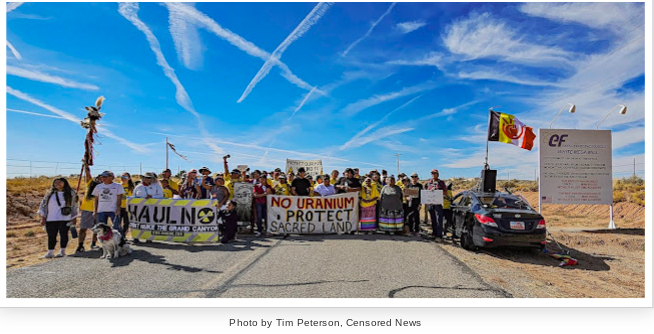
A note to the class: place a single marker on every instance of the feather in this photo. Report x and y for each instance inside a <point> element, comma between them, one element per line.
<point>98,102</point>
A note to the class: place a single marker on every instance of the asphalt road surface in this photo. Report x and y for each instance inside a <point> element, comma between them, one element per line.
<point>304,266</point>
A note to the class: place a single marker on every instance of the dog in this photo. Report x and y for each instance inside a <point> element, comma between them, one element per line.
<point>112,242</point>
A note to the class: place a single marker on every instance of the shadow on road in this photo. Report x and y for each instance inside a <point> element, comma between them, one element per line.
<point>365,237</point>
<point>627,231</point>
<point>145,256</point>
<point>586,261</point>
<point>241,244</point>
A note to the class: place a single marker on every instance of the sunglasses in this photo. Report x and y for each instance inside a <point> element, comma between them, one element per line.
<point>414,177</point>
<point>124,177</point>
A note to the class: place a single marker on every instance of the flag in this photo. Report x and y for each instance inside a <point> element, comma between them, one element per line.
<point>508,129</point>
<point>172,147</point>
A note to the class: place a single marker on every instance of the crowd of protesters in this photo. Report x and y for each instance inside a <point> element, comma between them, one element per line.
<point>384,203</point>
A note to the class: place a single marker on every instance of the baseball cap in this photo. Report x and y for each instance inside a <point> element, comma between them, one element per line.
<point>282,176</point>
<point>107,173</point>
<point>193,171</point>
<point>150,175</point>
<point>235,171</point>
<point>434,171</point>
<point>414,174</point>
<point>167,170</point>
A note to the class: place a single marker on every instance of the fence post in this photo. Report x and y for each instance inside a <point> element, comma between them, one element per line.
<point>56,168</point>
<point>30,168</point>
<point>140,168</point>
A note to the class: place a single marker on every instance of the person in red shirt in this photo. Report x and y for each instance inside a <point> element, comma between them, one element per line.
<point>261,190</point>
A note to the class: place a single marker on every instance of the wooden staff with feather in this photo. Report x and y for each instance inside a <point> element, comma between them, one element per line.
<point>89,123</point>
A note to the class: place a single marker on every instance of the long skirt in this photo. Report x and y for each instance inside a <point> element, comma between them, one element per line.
<point>391,220</point>
<point>368,220</point>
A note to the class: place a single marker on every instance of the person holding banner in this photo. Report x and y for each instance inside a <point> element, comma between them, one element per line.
<point>149,187</point>
<point>325,188</point>
<point>219,192</point>
<point>174,187</point>
<point>128,187</point>
<point>260,191</point>
<point>436,211</point>
<point>391,214</point>
<point>301,186</point>
<point>368,214</point>
<point>190,189</point>
<point>282,188</point>
<point>348,183</point>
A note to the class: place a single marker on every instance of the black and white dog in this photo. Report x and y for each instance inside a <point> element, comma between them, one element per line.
<point>113,243</point>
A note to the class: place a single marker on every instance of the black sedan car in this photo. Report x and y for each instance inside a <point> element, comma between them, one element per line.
<point>496,220</point>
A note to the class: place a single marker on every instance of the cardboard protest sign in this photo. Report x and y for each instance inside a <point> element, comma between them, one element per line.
<point>243,197</point>
<point>412,192</point>
<point>312,167</point>
<point>180,220</point>
<point>431,197</point>
<point>313,215</point>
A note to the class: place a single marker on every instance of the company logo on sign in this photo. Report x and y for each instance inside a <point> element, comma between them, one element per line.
<point>554,139</point>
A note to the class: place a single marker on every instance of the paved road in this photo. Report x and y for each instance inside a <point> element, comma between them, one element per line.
<point>314,266</point>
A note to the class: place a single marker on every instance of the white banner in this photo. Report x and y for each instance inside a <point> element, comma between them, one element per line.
<point>313,215</point>
<point>243,197</point>
<point>431,197</point>
<point>181,220</point>
<point>575,166</point>
<point>313,167</point>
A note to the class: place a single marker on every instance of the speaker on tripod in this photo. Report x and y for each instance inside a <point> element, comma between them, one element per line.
<point>488,180</point>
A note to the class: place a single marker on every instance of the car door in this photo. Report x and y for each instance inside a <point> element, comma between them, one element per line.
<point>458,212</point>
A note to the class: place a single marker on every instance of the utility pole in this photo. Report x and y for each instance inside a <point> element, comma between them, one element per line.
<point>397,155</point>
<point>166,152</point>
<point>634,166</point>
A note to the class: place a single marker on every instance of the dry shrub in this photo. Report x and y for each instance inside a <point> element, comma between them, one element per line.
<point>619,196</point>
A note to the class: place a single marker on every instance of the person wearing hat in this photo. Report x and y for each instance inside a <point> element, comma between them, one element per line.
<point>174,187</point>
<point>282,187</point>
<point>230,178</point>
<point>436,211</point>
<point>206,182</point>
<point>356,174</point>
<point>291,177</point>
<point>301,186</point>
<point>413,206</point>
<point>149,187</point>
<point>108,197</point>
<point>190,188</point>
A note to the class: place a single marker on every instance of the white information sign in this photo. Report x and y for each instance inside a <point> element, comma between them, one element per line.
<point>575,166</point>
<point>431,197</point>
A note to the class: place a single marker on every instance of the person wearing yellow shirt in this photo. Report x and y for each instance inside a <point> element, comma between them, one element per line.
<point>87,220</point>
<point>174,187</point>
<point>167,189</point>
<point>282,188</point>
<point>128,187</point>
<point>230,178</point>
<point>368,214</point>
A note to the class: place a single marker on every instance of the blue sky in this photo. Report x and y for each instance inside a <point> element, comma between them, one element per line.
<point>351,83</point>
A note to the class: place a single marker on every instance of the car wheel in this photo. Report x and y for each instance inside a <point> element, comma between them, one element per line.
<point>466,240</point>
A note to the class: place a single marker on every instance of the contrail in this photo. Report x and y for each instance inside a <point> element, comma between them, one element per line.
<point>13,5</point>
<point>14,51</point>
<point>43,77</point>
<point>369,30</point>
<point>129,11</point>
<point>303,101</point>
<point>311,19</point>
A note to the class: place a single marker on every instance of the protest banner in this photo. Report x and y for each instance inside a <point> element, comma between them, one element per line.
<point>431,197</point>
<point>313,215</point>
<point>179,220</point>
<point>243,197</point>
<point>412,192</point>
<point>242,168</point>
<point>312,167</point>
<point>575,166</point>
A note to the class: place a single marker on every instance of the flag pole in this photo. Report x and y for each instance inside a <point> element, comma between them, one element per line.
<point>166,152</point>
<point>489,124</point>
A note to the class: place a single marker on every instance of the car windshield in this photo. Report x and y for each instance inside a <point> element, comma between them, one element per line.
<point>505,201</point>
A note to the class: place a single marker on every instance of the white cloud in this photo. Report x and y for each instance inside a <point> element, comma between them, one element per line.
<point>44,77</point>
<point>430,59</point>
<point>186,39</point>
<point>375,136</point>
<point>598,15</point>
<point>130,12</point>
<point>200,19</point>
<point>72,118</point>
<point>482,36</point>
<point>349,48</point>
<point>627,137</point>
<point>407,27</point>
<point>487,74</point>
<point>358,106</point>
<point>14,51</point>
<point>13,5</point>
<point>304,26</point>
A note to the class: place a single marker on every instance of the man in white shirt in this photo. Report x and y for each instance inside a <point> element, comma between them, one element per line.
<point>108,198</point>
<point>149,187</point>
<point>325,188</point>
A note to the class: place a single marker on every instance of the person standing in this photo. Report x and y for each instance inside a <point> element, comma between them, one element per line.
<point>230,178</point>
<point>87,219</point>
<point>282,187</point>
<point>413,206</point>
<point>391,215</point>
<point>260,191</point>
<point>128,188</point>
<point>325,188</point>
<point>108,198</point>
<point>348,183</point>
<point>384,176</point>
<point>58,209</point>
<point>436,210</point>
<point>368,214</point>
<point>174,187</point>
<point>206,182</point>
<point>219,192</point>
<point>149,187</point>
<point>301,186</point>
<point>190,189</point>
